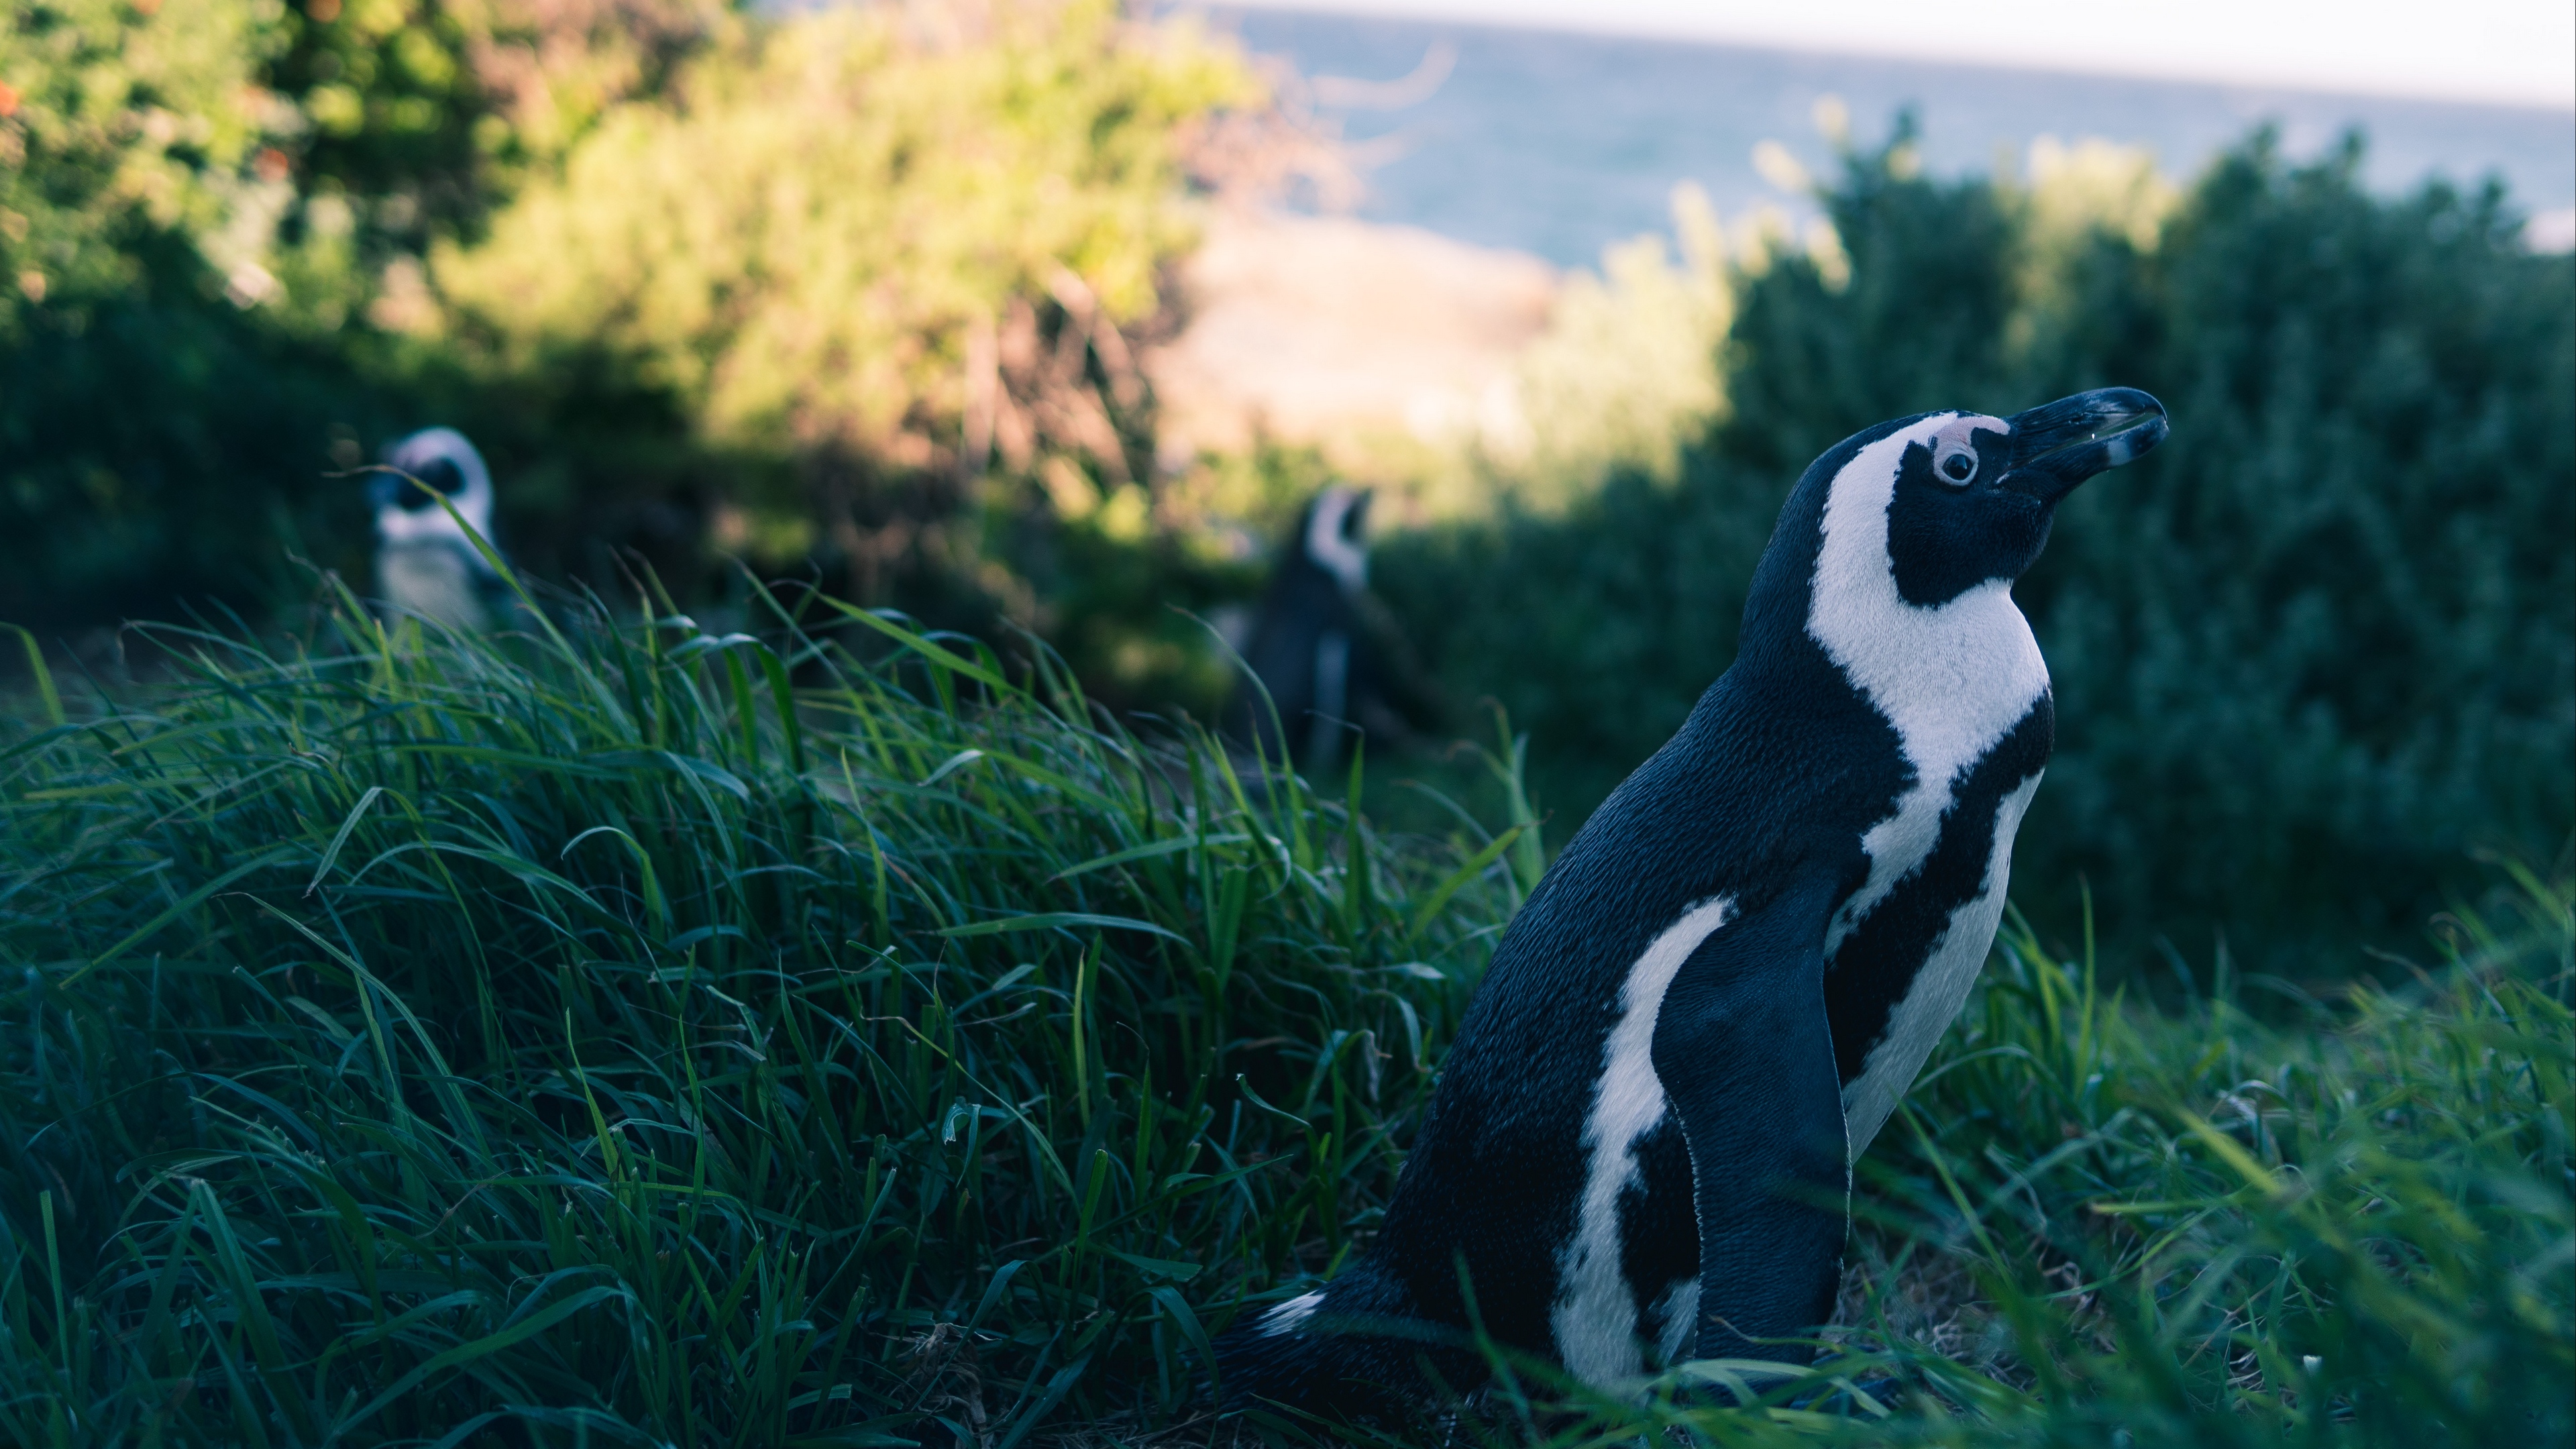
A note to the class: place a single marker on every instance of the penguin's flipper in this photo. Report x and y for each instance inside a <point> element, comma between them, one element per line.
<point>1747,1061</point>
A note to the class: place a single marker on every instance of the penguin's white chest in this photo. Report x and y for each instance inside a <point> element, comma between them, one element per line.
<point>1952,680</point>
<point>433,580</point>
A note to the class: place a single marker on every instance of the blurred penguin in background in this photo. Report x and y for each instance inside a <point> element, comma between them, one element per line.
<point>1322,647</point>
<point>425,564</point>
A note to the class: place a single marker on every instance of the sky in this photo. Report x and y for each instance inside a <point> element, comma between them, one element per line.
<point>2510,52</point>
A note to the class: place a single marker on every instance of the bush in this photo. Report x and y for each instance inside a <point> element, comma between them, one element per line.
<point>831,290</point>
<point>201,206</point>
<point>2332,623</point>
<point>130,155</point>
<point>887,249</point>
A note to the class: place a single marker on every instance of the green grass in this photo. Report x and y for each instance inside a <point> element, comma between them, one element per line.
<point>643,1036</point>
<point>2096,1225</point>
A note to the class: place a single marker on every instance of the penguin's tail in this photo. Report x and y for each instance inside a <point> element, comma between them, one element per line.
<point>1315,1353</point>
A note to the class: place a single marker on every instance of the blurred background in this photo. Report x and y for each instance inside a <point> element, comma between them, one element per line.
<point>1041,319</point>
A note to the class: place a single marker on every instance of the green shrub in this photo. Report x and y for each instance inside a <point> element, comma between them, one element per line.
<point>830,291</point>
<point>893,248</point>
<point>434,111</point>
<point>202,207</point>
<point>130,150</point>
<point>2334,625</point>
<point>2309,654</point>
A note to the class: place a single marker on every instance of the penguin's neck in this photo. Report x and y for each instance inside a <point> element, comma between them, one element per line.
<point>1952,677</point>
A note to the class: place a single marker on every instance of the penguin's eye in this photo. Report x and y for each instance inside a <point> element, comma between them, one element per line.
<point>1958,466</point>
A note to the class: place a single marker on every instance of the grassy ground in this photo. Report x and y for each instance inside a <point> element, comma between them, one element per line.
<point>642,1036</point>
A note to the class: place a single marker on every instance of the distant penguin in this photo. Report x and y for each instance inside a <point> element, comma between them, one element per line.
<point>425,564</point>
<point>1319,644</point>
<point>1639,1149</point>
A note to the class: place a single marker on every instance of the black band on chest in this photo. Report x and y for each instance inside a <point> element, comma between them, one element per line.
<point>1878,962</point>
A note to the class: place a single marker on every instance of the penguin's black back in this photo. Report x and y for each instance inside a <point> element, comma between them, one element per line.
<point>1301,607</point>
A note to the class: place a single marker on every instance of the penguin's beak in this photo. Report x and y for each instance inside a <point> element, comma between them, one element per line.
<point>2058,445</point>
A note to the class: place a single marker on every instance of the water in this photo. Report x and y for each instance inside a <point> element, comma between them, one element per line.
<point>1558,143</point>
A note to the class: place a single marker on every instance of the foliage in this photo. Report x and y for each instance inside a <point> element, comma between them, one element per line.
<point>199,204</point>
<point>603,1037</point>
<point>838,287</point>
<point>891,249</point>
<point>606,1035</point>
<point>130,170</point>
<point>778,249</point>
<point>2096,1225</point>
<point>2335,625</point>
<point>436,109</point>
<point>2331,623</point>
<point>1627,368</point>
<point>117,123</point>
<point>1625,375</point>
<point>875,283</point>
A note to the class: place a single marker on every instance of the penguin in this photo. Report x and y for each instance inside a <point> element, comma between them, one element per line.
<point>425,564</point>
<point>1639,1150</point>
<point>1320,645</point>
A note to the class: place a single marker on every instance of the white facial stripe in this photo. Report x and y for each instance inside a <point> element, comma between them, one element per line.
<point>1962,429</point>
<point>1939,988</point>
<point>1952,679</point>
<point>1289,1316</point>
<point>1595,1316</point>
<point>1959,437</point>
<point>1677,1321</point>
<point>398,525</point>
<point>1346,561</point>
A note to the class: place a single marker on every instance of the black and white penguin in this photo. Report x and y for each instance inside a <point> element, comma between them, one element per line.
<point>425,563</point>
<point>1639,1149</point>
<point>1317,645</point>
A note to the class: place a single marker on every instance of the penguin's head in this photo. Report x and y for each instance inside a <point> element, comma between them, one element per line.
<point>447,464</point>
<point>1945,502</point>
<point>1915,514</point>
<point>1972,499</point>
<point>1333,535</point>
